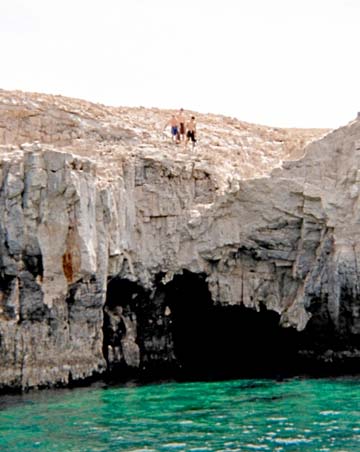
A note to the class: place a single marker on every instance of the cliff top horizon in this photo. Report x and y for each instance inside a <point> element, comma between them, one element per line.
<point>228,147</point>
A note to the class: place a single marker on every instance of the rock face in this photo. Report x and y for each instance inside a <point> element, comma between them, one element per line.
<point>122,251</point>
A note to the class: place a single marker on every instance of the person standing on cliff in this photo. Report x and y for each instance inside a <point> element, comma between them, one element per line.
<point>174,124</point>
<point>191,131</point>
<point>182,130</point>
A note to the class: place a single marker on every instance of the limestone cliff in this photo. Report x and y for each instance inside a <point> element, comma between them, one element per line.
<point>117,246</point>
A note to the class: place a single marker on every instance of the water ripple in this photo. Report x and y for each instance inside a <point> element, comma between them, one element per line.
<point>181,417</point>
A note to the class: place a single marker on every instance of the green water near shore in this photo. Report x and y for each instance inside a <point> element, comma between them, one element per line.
<point>241,415</point>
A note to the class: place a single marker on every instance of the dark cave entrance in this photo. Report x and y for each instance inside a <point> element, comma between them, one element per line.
<point>214,341</point>
<point>177,332</point>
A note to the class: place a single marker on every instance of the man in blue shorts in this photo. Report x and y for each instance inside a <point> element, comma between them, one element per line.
<point>173,123</point>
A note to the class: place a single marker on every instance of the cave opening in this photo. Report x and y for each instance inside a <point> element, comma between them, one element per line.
<point>176,331</point>
<point>217,341</point>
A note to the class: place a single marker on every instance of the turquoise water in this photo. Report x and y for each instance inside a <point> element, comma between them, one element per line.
<point>243,415</point>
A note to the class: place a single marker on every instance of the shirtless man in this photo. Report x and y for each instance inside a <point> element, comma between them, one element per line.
<point>181,119</point>
<point>174,124</point>
<point>191,131</point>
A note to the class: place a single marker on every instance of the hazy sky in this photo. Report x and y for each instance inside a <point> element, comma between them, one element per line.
<point>275,62</point>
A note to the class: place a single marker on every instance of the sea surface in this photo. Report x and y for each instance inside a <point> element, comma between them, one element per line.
<point>238,415</point>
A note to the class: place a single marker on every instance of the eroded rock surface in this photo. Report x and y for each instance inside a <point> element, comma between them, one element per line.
<point>104,220</point>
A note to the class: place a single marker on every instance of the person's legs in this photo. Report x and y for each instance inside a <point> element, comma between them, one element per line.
<point>174,133</point>
<point>193,140</point>
<point>182,131</point>
<point>191,135</point>
<point>187,137</point>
